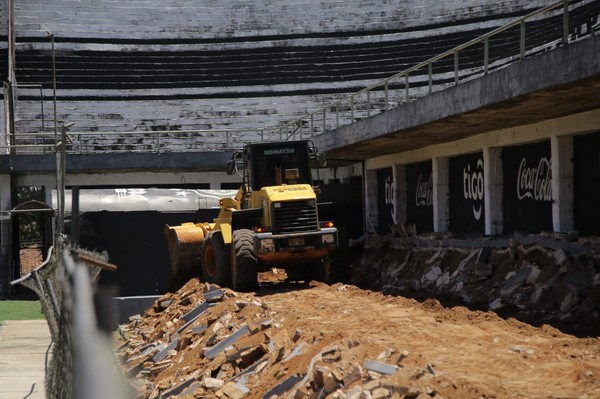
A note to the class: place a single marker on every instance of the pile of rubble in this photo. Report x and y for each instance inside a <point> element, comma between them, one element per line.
<point>204,341</point>
<point>536,279</point>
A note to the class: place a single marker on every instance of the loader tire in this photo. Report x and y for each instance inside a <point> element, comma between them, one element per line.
<point>336,267</point>
<point>244,268</point>
<point>215,260</point>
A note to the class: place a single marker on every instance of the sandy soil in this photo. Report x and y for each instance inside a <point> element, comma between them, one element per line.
<point>332,336</point>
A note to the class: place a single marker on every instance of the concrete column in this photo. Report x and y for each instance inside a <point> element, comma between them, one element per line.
<point>440,194</point>
<point>371,214</point>
<point>493,185</point>
<point>5,236</point>
<point>400,193</point>
<point>562,183</point>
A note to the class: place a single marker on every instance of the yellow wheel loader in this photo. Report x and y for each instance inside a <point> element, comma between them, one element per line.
<point>273,220</point>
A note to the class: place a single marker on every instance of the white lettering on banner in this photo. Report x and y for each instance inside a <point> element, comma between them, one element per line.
<point>535,183</point>
<point>424,192</point>
<point>279,151</point>
<point>389,196</point>
<point>473,186</point>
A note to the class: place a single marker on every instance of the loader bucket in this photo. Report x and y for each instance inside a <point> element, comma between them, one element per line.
<point>185,244</point>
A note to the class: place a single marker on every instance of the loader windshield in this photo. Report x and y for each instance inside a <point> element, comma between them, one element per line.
<point>273,164</point>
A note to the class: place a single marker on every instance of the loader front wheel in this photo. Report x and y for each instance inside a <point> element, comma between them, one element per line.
<point>215,260</point>
<point>244,270</point>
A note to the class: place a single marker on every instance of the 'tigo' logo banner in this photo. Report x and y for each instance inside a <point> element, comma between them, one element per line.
<point>466,207</point>
<point>473,187</point>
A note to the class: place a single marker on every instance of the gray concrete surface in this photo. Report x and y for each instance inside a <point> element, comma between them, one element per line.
<point>131,305</point>
<point>23,347</point>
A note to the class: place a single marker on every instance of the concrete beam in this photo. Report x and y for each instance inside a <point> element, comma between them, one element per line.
<point>117,162</point>
<point>563,199</point>
<point>560,82</point>
<point>441,190</point>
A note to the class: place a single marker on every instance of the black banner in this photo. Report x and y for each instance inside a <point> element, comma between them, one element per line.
<point>527,188</point>
<point>587,183</point>
<point>419,206</point>
<point>467,213</point>
<point>385,200</point>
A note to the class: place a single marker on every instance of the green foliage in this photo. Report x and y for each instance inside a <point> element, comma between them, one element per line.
<point>30,222</point>
<point>20,310</point>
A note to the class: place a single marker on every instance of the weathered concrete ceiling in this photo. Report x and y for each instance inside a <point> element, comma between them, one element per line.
<point>561,82</point>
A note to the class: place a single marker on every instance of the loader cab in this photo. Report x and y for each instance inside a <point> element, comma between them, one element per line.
<point>274,164</point>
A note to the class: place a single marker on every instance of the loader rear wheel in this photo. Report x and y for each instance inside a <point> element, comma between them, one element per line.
<point>215,260</point>
<point>244,270</point>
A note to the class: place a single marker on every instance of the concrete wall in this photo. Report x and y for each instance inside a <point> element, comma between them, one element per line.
<point>558,132</point>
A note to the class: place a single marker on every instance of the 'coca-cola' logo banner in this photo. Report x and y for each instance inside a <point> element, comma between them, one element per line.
<point>424,192</point>
<point>535,182</point>
<point>419,204</point>
<point>527,189</point>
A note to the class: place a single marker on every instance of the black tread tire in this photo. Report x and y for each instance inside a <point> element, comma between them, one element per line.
<point>336,267</point>
<point>216,267</point>
<point>244,265</point>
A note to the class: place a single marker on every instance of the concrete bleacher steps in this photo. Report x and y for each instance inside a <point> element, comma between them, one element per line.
<point>146,65</point>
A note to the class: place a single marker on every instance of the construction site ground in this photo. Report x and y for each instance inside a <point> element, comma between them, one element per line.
<point>515,322</point>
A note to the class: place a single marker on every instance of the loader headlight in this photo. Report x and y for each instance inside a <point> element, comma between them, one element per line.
<point>267,245</point>
<point>328,239</point>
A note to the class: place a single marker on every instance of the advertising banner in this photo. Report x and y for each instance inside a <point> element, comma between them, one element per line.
<point>527,192</point>
<point>466,208</point>
<point>385,200</point>
<point>587,183</point>
<point>419,206</point>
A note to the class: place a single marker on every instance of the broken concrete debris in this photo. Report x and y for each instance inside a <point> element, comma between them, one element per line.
<point>230,351</point>
<point>546,279</point>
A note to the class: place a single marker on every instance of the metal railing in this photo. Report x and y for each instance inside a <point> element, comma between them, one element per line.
<point>377,97</point>
<point>156,141</point>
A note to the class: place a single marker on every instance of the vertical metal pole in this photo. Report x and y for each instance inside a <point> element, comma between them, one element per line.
<point>312,124</point>
<point>456,67</point>
<point>324,121</point>
<point>352,108</point>
<point>337,115</point>
<point>522,40</point>
<point>369,103</point>
<point>406,88</point>
<point>59,182</point>
<point>566,22</point>
<point>430,73</point>
<point>75,215</point>
<point>387,100</point>
<point>486,54</point>
<point>42,108</point>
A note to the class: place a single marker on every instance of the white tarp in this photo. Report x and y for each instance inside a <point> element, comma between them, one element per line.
<point>145,199</point>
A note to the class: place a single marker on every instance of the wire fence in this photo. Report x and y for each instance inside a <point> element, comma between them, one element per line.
<point>83,364</point>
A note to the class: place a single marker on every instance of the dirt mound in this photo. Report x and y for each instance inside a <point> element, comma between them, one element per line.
<point>311,340</point>
<point>207,342</point>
